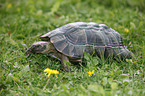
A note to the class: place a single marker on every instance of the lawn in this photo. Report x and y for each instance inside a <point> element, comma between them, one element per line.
<point>22,22</point>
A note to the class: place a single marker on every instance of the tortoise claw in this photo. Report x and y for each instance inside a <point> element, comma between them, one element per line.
<point>66,68</point>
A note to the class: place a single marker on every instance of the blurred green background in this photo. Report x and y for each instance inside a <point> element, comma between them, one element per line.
<point>23,21</point>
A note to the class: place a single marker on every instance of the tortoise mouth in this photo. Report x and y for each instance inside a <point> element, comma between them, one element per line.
<point>29,50</point>
<point>28,53</point>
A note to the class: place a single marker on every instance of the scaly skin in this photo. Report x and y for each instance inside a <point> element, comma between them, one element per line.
<point>45,48</point>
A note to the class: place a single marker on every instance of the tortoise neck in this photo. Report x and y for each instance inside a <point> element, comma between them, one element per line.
<point>49,48</point>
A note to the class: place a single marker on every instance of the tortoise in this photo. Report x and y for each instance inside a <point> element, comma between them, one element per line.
<point>69,42</point>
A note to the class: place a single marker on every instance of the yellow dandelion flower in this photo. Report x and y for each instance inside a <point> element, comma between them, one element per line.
<point>50,71</point>
<point>9,5</point>
<point>18,9</point>
<point>126,30</point>
<point>90,73</point>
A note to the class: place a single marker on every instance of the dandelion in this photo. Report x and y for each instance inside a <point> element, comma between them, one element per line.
<point>9,5</point>
<point>90,73</point>
<point>50,71</point>
<point>126,30</point>
<point>18,9</point>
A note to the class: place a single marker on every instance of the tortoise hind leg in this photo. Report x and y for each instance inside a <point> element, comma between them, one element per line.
<point>125,54</point>
<point>122,54</point>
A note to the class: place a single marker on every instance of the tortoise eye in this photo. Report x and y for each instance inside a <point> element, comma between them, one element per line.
<point>39,46</point>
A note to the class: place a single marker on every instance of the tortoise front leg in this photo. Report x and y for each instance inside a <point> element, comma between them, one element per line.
<point>64,59</point>
<point>64,65</point>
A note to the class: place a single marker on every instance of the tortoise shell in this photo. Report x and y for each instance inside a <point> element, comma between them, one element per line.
<point>74,39</point>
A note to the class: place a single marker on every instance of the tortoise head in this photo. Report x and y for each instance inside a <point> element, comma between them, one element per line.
<point>38,47</point>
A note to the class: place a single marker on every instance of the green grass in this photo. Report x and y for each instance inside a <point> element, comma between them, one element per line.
<point>23,21</point>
